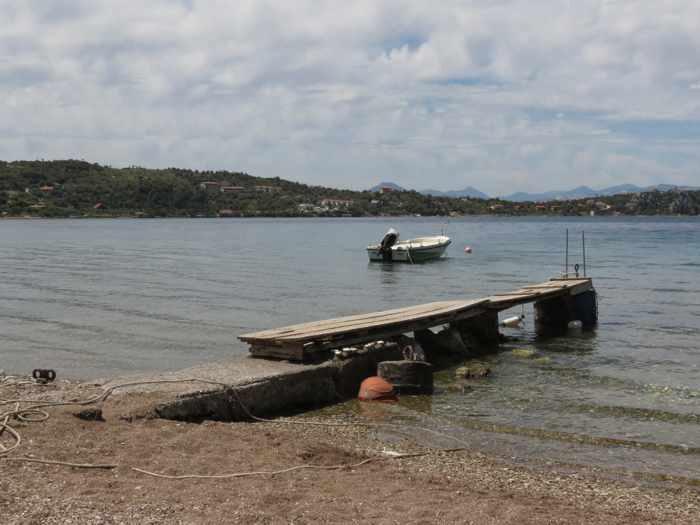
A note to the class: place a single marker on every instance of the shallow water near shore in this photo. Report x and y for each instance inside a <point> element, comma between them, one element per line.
<point>96,298</point>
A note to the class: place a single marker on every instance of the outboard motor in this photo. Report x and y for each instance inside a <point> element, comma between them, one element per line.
<point>389,239</point>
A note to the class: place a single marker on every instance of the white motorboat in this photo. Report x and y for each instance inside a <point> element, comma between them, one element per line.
<point>415,250</point>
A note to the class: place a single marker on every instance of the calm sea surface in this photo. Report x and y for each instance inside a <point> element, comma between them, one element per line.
<point>107,297</point>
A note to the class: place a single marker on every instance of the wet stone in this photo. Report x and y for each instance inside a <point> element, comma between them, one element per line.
<point>524,353</point>
<point>90,414</point>
<point>472,370</point>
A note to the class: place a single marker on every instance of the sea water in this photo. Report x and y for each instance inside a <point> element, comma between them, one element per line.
<point>93,298</point>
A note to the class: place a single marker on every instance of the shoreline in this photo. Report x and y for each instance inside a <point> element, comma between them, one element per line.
<point>379,217</point>
<point>429,485</point>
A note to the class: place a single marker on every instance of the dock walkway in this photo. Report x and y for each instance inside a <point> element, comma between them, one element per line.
<point>299,341</point>
<point>268,387</point>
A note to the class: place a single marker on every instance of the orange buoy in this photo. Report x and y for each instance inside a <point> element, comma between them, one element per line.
<point>376,389</point>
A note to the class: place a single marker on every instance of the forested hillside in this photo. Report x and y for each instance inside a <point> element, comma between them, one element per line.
<point>74,188</point>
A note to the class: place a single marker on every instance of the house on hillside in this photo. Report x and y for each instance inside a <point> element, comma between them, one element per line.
<point>229,213</point>
<point>233,189</point>
<point>337,203</point>
<point>268,189</point>
<point>307,208</point>
<point>209,186</point>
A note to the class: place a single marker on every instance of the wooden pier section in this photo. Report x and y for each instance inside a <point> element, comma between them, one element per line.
<point>298,342</point>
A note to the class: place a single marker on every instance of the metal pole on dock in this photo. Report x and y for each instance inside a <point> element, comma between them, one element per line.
<point>566,256</point>
<point>583,242</point>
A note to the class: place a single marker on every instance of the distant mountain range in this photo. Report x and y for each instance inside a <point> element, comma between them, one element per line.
<point>581,192</point>
<point>469,191</point>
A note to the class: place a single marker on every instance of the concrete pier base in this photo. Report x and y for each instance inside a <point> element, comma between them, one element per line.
<point>265,387</point>
<point>552,316</point>
<point>408,377</point>
<point>445,344</point>
<point>585,308</point>
<point>480,333</point>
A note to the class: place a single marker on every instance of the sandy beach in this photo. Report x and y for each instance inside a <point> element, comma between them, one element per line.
<point>368,485</point>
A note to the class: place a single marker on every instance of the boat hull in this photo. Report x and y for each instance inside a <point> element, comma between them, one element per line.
<point>410,254</point>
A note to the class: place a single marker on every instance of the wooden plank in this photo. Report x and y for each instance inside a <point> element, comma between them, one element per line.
<point>340,323</point>
<point>572,287</point>
<point>525,295</point>
<point>376,334</point>
<point>343,328</point>
<point>556,284</point>
<point>499,302</point>
<point>545,286</point>
<point>508,301</point>
<point>358,317</point>
<point>301,352</point>
<point>343,324</point>
<point>292,352</point>
<point>580,288</point>
<point>374,317</point>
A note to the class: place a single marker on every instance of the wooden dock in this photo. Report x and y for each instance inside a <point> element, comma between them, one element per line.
<point>297,342</point>
<point>537,292</point>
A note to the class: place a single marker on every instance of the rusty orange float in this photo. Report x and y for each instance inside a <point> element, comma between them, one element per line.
<point>376,389</point>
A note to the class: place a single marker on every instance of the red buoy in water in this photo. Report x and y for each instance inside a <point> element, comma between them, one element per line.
<point>376,389</point>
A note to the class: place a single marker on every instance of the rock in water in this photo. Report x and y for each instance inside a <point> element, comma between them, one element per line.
<point>524,353</point>
<point>472,370</point>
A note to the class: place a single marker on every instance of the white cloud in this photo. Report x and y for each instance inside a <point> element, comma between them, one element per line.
<point>509,94</point>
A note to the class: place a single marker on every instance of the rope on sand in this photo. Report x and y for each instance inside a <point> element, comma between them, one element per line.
<point>258,473</point>
<point>34,413</point>
<point>292,469</point>
<point>63,463</point>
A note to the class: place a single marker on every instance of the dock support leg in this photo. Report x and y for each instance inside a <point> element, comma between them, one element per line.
<point>585,307</point>
<point>482,330</point>
<point>552,316</point>
<point>442,346</point>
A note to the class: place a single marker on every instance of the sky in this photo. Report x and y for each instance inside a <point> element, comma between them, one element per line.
<point>503,95</point>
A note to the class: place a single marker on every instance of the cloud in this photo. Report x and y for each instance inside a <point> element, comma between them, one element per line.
<point>506,94</point>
